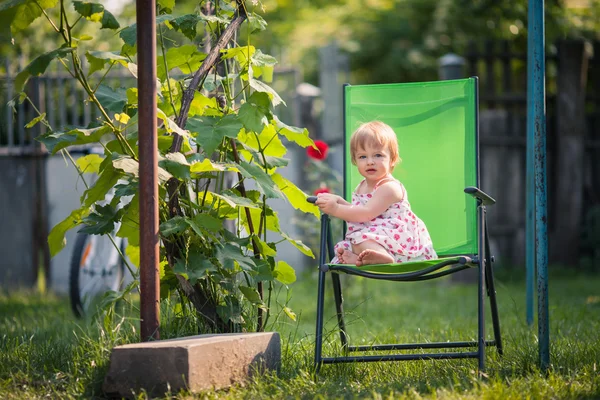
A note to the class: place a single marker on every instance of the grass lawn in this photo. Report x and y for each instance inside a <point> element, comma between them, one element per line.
<point>46,353</point>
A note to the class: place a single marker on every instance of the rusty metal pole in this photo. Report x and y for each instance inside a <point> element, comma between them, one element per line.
<point>148,150</point>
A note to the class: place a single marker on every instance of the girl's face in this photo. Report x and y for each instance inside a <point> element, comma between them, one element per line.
<point>373,162</point>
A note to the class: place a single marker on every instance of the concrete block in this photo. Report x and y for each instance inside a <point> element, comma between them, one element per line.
<point>195,363</point>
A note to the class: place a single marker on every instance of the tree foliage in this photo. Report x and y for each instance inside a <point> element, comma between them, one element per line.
<point>401,40</point>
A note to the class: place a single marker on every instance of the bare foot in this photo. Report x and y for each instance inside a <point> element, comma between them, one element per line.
<point>346,256</point>
<point>370,256</point>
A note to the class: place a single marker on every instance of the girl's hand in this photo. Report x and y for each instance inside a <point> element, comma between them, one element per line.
<point>327,203</point>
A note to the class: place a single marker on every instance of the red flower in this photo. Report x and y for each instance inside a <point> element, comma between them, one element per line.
<point>320,153</point>
<point>322,189</point>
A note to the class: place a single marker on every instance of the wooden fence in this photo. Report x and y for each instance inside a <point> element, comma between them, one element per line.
<point>573,145</point>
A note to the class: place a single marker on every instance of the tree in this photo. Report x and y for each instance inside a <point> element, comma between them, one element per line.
<point>401,40</point>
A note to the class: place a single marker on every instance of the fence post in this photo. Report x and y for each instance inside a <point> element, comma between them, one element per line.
<point>571,84</point>
<point>451,66</point>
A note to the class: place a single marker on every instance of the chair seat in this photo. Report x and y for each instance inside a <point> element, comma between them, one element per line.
<point>400,268</point>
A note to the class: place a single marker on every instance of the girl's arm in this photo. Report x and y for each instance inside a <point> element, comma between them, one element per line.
<point>386,195</point>
<point>341,200</point>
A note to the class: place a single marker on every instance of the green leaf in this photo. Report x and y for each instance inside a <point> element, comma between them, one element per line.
<point>98,59</point>
<point>229,254</point>
<point>129,34</point>
<point>177,165</point>
<point>255,214</point>
<point>272,162</point>
<point>35,121</point>
<point>212,130</point>
<point>255,113</point>
<point>186,24</point>
<point>201,104</point>
<point>101,221</point>
<point>208,222</point>
<point>207,165</point>
<point>21,13</point>
<point>38,66</point>
<point>170,125</point>
<point>195,266</point>
<point>263,87</point>
<point>56,238</point>
<point>284,273</point>
<point>108,178</point>
<point>251,294</point>
<point>295,195</point>
<point>55,141</point>
<point>242,54</point>
<point>95,12</point>
<point>263,65</point>
<point>109,21</point>
<point>130,222</point>
<point>90,164</point>
<point>268,141</point>
<point>263,269</point>
<point>264,248</point>
<point>262,179</point>
<point>256,23</point>
<point>112,100</point>
<point>174,225</point>
<point>133,254</point>
<point>212,82</point>
<point>293,134</point>
<point>168,4</point>
<point>232,311</point>
<point>132,167</point>
<point>234,200</point>
<point>126,189</point>
<point>288,311</point>
<point>187,58</point>
<point>304,249</point>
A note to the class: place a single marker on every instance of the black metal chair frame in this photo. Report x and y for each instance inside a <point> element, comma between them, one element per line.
<point>483,262</point>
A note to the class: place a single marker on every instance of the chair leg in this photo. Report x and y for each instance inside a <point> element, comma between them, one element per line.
<point>494,307</point>
<point>491,291</point>
<point>337,293</point>
<point>481,289</point>
<point>339,300</point>
<point>481,319</point>
<point>319,333</point>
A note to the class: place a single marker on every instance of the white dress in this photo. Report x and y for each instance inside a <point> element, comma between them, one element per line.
<point>398,230</point>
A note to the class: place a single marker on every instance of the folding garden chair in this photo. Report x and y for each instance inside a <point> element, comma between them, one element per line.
<point>437,128</point>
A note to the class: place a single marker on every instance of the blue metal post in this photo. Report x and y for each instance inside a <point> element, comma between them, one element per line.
<point>530,184</point>
<point>537,75</point>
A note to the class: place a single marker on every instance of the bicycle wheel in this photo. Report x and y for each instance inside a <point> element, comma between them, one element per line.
<point>96,268</point>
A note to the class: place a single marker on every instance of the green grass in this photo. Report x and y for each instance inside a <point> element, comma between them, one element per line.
<point>45,352</point>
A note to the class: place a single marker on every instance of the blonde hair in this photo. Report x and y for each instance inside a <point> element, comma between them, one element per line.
<point>375,133</point>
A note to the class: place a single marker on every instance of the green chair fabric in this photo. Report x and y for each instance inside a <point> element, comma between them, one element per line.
<point>437,128</point>
<point>435,124</point>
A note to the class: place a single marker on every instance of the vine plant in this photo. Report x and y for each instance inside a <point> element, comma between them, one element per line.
<point>218,120</point>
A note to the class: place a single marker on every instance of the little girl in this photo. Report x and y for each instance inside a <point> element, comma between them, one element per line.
<point>381,227</point>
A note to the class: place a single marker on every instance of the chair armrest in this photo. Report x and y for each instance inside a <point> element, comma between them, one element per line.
<point>311,199</point>
<point>483,197</point>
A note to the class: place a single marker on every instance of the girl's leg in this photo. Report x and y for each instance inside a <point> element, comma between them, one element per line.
<point>371,252</point>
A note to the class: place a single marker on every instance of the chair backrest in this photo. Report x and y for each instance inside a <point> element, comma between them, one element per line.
<point>437,128</point>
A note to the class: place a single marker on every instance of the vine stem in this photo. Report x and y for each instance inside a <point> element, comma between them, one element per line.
<point>164,53</point>
<point>209,62</point>
<point>255,247</point>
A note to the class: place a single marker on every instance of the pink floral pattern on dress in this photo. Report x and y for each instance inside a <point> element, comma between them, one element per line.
<point>398,230</point>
